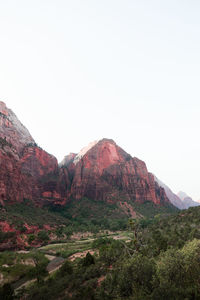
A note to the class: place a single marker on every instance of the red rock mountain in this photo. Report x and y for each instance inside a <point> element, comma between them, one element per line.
<point>102,171</point>
<point>26,171</point>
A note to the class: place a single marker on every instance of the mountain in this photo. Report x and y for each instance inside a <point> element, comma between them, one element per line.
<point>173,198</point>
<point>102,172</point>
<point>26,170</point>
<point>187,200</point>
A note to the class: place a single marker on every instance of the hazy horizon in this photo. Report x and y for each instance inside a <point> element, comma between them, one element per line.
<point>74,72</point>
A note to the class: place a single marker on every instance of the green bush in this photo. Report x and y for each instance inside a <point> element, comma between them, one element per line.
<point>43,236</point>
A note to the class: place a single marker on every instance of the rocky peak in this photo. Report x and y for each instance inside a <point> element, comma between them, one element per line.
<point>83,151</point>
<point>105,171</point>
<point>12,129</point>
<point>26,170</point>
<point>105,151</point>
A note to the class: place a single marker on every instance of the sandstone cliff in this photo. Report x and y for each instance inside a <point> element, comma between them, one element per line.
<point>26,171</point>
<point>106,172</point>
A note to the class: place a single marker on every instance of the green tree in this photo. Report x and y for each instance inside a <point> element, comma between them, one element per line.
<point>31,238</point>
<point>88,260</point>
<point>43,236</point>
<point>40,270</point>
<point>66,268</point>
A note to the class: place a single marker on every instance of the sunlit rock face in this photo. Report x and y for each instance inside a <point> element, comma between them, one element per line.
<point>106,172</point>
<point>26,171</point>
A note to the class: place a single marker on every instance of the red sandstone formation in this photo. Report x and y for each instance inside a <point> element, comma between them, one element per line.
<point>102,171</point>
<point>106,172</point>
<point>26,171</point>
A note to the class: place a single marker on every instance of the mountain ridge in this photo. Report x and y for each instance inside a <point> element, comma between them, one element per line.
<point>102,171</point>
<point>181,200</point>
<point>187,200</point>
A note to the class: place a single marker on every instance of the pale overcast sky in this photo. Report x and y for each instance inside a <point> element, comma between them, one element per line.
<point>77,71</point>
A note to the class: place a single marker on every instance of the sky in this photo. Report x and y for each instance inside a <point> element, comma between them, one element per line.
<point>76,71</point>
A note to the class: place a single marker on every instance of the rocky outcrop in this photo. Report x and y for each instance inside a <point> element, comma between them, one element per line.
<point>106,172</point>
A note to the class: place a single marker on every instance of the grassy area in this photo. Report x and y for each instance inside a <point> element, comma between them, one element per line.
<point>67,249</point>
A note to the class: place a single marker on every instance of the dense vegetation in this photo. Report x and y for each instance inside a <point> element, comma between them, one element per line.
<point>160,261</point>
<point>26,212</point>
<point>83,215</point>
<point>84,218</point>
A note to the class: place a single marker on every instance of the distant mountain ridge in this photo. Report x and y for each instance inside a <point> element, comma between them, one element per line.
<point>187,200</point>
<point>173,198</point>
<point>181,200</point>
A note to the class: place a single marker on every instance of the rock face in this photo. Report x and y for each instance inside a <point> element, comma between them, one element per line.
<point>26,171</point>
<point>106,172</point>
<point>101,171</point>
